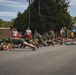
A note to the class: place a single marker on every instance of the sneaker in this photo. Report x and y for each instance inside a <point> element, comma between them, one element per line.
<point>37,46</point>
<point>34,49</point>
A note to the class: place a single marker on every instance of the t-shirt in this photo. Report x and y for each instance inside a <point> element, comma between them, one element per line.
<point>28,32</point>
<point>72,34</point>
<point>15,33</point>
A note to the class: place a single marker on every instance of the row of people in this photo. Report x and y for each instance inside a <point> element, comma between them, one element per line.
<point>17,38</point>
<point>9,44</point>
<point>66,35</point>
<point>46,40</point>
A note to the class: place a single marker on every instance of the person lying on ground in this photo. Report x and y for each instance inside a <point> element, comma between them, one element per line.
<point>6,45</point>
<point>69,41</point>
<point>50,42</point>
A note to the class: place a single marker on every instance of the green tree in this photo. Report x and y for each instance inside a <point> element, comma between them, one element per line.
<point>74,19</point>
<point>5,23</point>
<point>44,15</point>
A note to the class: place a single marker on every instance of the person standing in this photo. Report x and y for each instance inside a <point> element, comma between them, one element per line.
<point>72,36</point>
<point>28,34</point>
<point>15,33</point>
<point>62,35</point>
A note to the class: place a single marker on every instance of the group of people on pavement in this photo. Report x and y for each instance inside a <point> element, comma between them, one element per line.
<point>66,36</point>
<point>49,38</point>
<point>16,38</point>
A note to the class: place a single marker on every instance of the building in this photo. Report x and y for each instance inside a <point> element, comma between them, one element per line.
<point>5,33</point>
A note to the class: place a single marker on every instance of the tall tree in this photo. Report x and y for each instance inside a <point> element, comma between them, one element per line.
<point>45,15</point>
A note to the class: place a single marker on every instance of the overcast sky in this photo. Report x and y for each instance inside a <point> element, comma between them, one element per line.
<point>10,8</point>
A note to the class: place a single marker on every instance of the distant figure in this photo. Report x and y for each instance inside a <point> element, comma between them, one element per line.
<point>62,35</point>
<point>72,35</point>
<point>22,41</point>
<point>14,33</point>
<point>6,45</point>
<point>38,39</point>
<point>28,34</point>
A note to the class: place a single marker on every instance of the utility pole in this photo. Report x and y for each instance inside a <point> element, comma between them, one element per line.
<point>29,15</point>
<point>39,7</point>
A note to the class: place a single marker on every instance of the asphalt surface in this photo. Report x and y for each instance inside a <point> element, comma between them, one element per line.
<point>51,60</point>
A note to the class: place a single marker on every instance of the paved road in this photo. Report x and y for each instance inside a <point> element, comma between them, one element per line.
<point>51,60</point>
